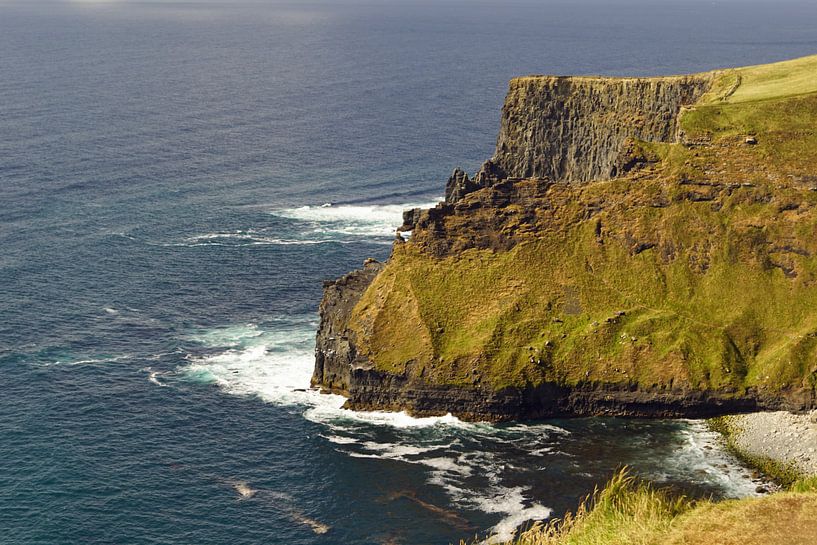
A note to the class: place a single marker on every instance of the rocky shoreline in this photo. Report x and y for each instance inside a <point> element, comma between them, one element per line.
<point>786,439</point>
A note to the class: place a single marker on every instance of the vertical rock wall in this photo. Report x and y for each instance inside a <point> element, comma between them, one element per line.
<point>575,128</point>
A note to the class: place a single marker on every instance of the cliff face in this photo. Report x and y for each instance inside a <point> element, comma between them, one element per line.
<point>575,129</point>
<point>335,354</point>
<point>580,129</point>
<point>681,286</point>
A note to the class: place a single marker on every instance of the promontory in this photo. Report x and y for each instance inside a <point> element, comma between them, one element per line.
<point>635,246</point>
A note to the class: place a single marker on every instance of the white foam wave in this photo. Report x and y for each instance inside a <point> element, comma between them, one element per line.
<point>535,429</point>
<point>85,361</point>
<point>509,502</point>
<point>274,376</point>
<point>276,366</point>
<point>702,453</point>
<point>230,336</point>
<point>379,221</point>
<point>512,503</point>
<point>328,414</point>
<point>397,451</point>
<point>447,466</point>
<point>250,238</point>
<point>153,377</point>
<point>340,440</point>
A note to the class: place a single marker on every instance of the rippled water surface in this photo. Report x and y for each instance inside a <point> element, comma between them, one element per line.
<point>176,180</point>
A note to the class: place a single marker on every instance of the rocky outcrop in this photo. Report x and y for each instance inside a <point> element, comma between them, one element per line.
<point>335,352</point>
<point>579,129</point>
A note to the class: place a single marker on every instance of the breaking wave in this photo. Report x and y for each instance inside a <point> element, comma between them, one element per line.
<point>311,225</point>
<point>368,221</point>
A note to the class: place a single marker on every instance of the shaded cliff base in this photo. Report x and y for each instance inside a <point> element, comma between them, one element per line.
<point>370,389</point>
<point>630,511</point>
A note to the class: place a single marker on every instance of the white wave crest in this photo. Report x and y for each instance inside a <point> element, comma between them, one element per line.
<point>250,238</point>
<point>702,453</point>
<point>327,414</point>
<point>369,221</point>
<point>276,366</point>
<point>259,364</point>
<point>512,503</point>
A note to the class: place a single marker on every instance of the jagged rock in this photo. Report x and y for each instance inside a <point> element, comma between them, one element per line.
<point>489,174</point>
<point>458,186</point>
<point>335,351</point>
<point>411,218</point>
<point>631,157</point>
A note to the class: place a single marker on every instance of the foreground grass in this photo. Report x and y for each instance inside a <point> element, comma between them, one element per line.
<point>630,512</point>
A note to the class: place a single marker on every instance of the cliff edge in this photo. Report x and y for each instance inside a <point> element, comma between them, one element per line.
<point>635,246</point>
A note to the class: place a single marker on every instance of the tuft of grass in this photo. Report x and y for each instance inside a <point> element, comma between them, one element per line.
<point>804,485</point>
<point>624,511</point>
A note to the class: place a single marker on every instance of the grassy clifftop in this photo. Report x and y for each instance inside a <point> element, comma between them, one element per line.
<point>696,268</point>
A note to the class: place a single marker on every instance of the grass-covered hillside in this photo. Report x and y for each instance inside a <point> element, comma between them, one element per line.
<point>697,268</point>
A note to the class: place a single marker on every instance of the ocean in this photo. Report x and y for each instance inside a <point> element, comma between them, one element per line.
<point>176,180</point>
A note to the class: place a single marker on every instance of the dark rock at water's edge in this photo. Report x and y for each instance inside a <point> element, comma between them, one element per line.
<point>335,352</point>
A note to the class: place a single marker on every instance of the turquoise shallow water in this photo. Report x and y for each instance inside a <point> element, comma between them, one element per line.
<point>164,168</point>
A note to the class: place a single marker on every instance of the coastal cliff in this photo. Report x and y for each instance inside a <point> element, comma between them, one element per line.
<point>635,246</point>
<point>574,129</point>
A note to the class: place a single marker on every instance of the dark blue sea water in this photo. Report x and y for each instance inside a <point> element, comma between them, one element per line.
<point>163,171</point>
